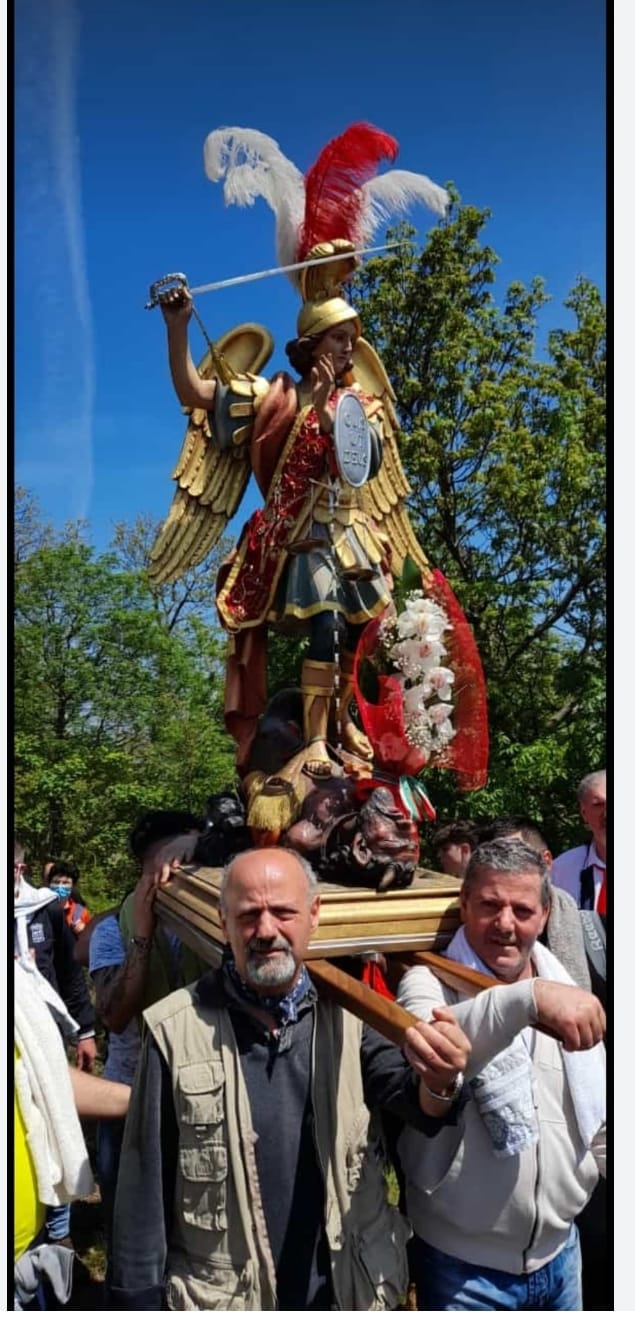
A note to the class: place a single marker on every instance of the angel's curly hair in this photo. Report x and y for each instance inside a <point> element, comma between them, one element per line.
<point>300,353</point>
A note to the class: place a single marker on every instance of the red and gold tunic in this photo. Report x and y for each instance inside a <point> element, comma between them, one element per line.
<point>269,579</point>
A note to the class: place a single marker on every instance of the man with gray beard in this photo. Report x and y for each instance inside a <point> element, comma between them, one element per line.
<point>251,1174</point>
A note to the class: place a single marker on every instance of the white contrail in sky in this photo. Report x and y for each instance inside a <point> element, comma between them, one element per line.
<point>55,370</point>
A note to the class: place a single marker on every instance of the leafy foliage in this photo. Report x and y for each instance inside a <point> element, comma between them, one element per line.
<point>116,712</point>
<point>176,602</point>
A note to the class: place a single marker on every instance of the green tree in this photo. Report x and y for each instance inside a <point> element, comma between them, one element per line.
<point>30,532</point>
<point>114,711</point>
<point>193,594</point>
<point>504,450</point>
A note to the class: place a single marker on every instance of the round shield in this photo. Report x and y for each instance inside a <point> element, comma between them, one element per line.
<point>351,440</point>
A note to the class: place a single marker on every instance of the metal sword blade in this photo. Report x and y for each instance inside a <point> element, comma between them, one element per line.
<point>285,270</point>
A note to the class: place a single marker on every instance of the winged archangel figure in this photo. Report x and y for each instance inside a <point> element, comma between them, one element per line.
<point>320,555</point>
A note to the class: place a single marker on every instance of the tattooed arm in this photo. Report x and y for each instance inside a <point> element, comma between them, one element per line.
<point>119,990</point>
<point>120,974</point>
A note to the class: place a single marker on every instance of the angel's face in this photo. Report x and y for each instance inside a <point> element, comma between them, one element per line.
<point>339,342</point>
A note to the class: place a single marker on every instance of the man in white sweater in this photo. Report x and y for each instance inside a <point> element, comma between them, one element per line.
<point>493,1200</point>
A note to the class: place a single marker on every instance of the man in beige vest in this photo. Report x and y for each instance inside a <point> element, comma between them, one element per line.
<point>251,1172</point>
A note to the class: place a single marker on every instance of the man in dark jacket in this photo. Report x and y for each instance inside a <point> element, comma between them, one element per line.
<point>39,914</point>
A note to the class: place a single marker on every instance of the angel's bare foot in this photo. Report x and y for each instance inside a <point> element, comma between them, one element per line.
<point>318,763</point>
<point>353,740</point>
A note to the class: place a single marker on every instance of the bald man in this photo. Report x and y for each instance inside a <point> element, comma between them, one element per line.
<point>251,1175</point>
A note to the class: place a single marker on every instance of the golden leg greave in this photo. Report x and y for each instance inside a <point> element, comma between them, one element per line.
<point>317,683</point>
<point>353,740</point>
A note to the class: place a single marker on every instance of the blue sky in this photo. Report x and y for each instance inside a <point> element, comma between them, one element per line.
<point>113,103</point>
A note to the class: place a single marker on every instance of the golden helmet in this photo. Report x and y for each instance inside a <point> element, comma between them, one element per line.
<point>314,318</point>
<point>321,287</point>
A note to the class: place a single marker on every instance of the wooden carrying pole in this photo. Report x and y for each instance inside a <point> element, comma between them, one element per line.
<point>385,1015</point>
<point>464,979</point>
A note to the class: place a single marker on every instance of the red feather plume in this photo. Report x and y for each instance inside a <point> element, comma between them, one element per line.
<point>334,203</point>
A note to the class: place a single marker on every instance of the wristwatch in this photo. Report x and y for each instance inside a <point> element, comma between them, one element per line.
<point>448,1095</point>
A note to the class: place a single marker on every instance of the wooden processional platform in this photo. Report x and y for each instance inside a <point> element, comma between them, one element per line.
<point>406,925</point>
<point>352,920</point>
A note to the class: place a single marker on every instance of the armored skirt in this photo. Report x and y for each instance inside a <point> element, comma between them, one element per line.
<point>340,571</point>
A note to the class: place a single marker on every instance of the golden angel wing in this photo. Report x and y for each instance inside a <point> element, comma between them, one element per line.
<point>384,497</point>
<point>210,481</point>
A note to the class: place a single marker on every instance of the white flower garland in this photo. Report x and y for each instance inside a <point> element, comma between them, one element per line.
<point>413,641</point>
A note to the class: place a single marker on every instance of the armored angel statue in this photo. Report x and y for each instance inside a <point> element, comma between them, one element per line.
<point>321,554</point>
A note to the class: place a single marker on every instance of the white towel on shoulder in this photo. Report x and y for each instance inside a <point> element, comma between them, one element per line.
<point>45,1096</point>
<point>502,1092</point>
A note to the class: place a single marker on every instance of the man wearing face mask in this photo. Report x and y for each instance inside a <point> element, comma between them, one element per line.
<point>63,879</point>
<point>42,933</point>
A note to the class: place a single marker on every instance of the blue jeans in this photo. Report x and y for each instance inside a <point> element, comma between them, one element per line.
<point>58,1222</point>
<point>445,1283</point>
<point>109,1139</point>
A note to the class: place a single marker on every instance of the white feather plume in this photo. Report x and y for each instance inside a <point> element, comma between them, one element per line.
<point>393,193</point>
<point>253,165</point>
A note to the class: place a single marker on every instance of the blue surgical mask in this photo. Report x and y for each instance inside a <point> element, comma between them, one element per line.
<point>62,891</point>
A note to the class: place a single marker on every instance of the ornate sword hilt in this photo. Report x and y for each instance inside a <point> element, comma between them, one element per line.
<point>177,280</point>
